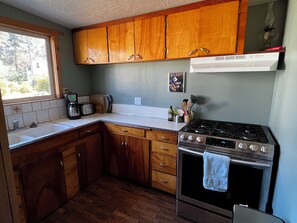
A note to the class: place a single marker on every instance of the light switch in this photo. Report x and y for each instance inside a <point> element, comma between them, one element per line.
<point>137,100</point>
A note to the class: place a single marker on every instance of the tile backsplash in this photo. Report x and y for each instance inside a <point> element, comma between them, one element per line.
<point>37,112</point>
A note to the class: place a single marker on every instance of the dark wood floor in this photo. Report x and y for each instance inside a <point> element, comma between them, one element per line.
<point>114,201</point>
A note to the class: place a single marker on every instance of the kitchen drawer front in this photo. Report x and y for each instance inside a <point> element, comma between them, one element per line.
<point>164,164</point>
<point>89,130</point>
<point>164,148</point>
<point>120,129</point>
<point>168,137</point>
<point>163,181</point>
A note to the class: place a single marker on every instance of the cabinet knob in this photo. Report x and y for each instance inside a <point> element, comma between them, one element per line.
<point>124,130</point>
<point>92,59</point>
<point>126,144</point>
<point>165,149</point>
<point>163,164</point>
<point>86,60</point>
<point>123,144</point>
<point>164,138</point>
<point>78,155</point>
<point>61,164</point>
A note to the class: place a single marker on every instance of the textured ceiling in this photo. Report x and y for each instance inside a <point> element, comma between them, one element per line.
<point>78,13</point>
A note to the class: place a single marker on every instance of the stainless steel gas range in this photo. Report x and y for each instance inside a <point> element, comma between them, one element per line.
<point>251,149</point>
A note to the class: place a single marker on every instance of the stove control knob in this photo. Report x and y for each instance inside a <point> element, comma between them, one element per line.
<point>191,138</point>
<point>183,136</point>
<point>242,146</point>
<point>253,148</point>
<point>199,139</point>
<point>264,149</point>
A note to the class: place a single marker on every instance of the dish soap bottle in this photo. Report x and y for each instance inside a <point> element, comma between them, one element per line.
<point>170,114</point>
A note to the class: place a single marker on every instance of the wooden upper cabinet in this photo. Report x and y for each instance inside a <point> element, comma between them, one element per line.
<point>80,46</point>
<point>182,34</point>
<point>90,46</point>
<point>218,28</point>
<point>209,30</point>
<point>150,38</point>
<point>121,42</point>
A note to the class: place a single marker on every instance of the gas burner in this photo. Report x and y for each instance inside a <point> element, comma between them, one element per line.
<point>223,129</point>
<point>248,135</point>
<point>203,127</point>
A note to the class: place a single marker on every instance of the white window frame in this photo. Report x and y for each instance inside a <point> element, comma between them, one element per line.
<point>52,36</point>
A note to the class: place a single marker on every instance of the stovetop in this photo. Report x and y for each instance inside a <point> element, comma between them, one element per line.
<point>250,140</point>
<point>229,130</point>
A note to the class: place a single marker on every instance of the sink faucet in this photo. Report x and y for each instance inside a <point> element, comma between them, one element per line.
<point>15,124</point>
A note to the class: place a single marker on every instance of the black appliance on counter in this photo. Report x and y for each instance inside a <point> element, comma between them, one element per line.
<point>251,149</point>
<point>73,111</point>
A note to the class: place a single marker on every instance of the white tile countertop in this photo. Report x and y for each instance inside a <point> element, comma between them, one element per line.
<point>137,121</point>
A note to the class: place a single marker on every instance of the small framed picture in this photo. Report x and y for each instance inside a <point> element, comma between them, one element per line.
<point>176,81</point>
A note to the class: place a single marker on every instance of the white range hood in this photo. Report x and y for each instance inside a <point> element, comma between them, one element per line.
<point>235,63</point>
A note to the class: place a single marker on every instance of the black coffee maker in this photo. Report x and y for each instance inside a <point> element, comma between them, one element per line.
<point>72,108</point>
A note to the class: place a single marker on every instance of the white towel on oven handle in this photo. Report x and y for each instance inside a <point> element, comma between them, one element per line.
<point>215,171</point>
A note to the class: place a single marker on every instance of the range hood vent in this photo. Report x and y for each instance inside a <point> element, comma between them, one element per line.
<point>235,63</point>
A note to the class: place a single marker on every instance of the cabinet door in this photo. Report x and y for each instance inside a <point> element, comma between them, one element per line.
<point>218,28</point>
<point>97,45</point>
<point>43,186</point>
<point>114,161</point>
<point>80,46</point>
<point>71,171</point>
<point>121,42</point>
<point>182,38</point>
<point>89,155</point>
<point>150,38</point>
<point>137,160</point>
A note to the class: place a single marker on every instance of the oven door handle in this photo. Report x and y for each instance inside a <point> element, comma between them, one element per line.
<point>243,162</point>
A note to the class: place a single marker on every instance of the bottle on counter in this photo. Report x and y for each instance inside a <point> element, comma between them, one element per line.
<point>170,114</point>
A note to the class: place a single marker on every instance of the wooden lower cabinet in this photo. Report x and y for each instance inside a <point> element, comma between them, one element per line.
<point>44,187</point>
<point>89,160</point>
<point>163,160</point>
<point>127,157</point>
<point>163,181</point>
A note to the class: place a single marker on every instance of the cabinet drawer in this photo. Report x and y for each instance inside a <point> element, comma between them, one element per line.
<point>164,148</point>
<point>168,137</point>
<point>88,130</point>
<point>125,130</point>
<point>164,181</point>
<point>164,163</point>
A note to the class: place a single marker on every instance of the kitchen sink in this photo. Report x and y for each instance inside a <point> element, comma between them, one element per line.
<point>23,136</point>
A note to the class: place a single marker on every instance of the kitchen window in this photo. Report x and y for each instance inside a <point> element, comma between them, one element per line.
<point>28,63</point>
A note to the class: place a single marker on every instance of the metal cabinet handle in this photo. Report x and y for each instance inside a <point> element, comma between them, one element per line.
<point>163,181</point>
<point>61,164</point>
<point>86,60</point>
<point>130,57</point>
<point>92,60</point>
<point>138,56</point>
<point>204,50</point>
<point>164,138</point>
<point>122,144</point>
<point>193,52</point>
<point>78,155</point>
<point>124,130</point>
<point>163,164</point>
<point>165,149</point>
<point>126,144</point>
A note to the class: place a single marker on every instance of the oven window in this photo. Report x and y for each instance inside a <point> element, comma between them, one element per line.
<point>244,184</point>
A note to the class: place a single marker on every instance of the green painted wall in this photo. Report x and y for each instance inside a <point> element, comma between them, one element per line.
<point>283,122</point>
<point>76,78</point>
<point>244,97</point>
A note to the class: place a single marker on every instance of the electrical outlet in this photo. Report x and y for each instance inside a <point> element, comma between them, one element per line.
<point>137,100</point>
<point>65,90</point>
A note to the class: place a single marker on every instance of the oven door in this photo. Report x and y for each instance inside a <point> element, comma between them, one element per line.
<point>248,183</point>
